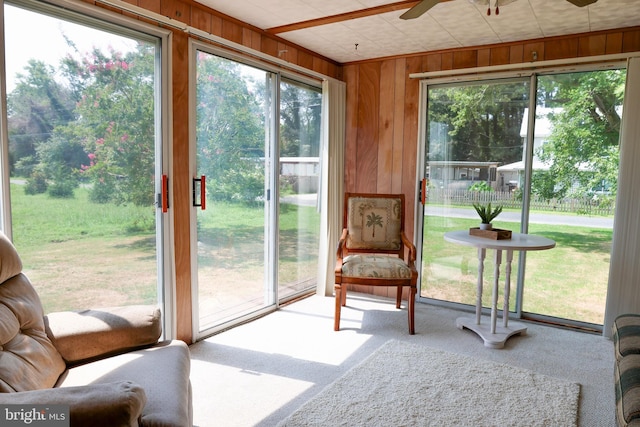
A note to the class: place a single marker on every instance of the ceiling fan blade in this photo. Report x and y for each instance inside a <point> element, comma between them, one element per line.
<point>419,9</point>
<point>582,3</point>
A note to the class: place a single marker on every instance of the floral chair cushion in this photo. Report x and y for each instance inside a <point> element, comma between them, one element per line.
<point>374,223</point>
<point>380,266</point>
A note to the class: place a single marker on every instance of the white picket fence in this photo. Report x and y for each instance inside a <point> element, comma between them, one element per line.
<point>591,206</point>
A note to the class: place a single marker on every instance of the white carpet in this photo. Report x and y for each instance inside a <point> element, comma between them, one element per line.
<point>403,384</point>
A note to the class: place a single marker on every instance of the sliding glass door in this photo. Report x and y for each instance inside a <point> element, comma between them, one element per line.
<point>473,130</point>
<point>85,158</point>
<point>231,190</point>
<point>299,173</point>
<point>551,161</point>
<point>573,192</point>
<point>255,188</point>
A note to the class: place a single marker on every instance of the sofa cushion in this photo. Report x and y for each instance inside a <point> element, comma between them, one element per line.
<point>627,389</point>
<point>626,335</point>
<point>28,359</point>
<point>117,404</point>
<point>162,371</point>
<point>83,335</point>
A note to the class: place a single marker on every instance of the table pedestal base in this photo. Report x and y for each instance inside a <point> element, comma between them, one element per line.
<point>496,340</point>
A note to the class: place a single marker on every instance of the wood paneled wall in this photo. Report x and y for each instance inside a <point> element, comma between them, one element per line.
<point>218,24</point>
<point>382,106</point>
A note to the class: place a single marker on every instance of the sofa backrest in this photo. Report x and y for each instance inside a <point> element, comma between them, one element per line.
<point>28,359</point>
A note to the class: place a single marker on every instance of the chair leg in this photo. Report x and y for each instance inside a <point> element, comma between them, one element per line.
<point>411,310</point>
<point>336,317</point>
<point>399,296</point>
<point>343,301</point>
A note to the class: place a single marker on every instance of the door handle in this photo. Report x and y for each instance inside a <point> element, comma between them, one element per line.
<point>165,194</point>
<point>203,192</point>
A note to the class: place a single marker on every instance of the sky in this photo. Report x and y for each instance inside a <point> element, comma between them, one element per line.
<point>24,41</point>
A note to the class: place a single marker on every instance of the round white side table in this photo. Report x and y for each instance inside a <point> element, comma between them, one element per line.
<point>495,336</point>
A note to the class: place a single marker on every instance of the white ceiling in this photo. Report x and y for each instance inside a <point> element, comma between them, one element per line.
<point>450,24</point>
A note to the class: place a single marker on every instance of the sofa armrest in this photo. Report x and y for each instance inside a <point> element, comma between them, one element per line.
<point>110,404</point>
<point>90,334</point>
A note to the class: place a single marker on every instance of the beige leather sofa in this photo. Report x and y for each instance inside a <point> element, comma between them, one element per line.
<point>105,364</point>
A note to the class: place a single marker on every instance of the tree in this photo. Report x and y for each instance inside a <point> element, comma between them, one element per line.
<point>482,122</point>
<point>35,107</point>
<point>299,121</point>
<point>91,120</point>
<point>543,185</point>
<point>230,130</point>
<point>60,160</point>
<point>583,146</point>
<point>115,124</point>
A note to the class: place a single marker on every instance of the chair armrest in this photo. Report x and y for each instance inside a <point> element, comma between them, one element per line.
<point>409,244</point>
<point>90,334</point>
<point>110,404</point>
<point>339,256</point>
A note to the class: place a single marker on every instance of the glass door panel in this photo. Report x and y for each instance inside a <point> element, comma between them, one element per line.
<point>567,177</point>
<point>299,220</point>
<point>573,192</point>
<point>233,101</point>
<point>84,156</point>
<point>474,133</point>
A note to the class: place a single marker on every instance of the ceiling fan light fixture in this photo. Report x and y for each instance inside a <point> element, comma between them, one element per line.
<point>582,3</point>
<point>497,3</point>
<point>424,6</point>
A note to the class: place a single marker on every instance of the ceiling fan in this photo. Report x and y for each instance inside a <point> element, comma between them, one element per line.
<point>425,5</point>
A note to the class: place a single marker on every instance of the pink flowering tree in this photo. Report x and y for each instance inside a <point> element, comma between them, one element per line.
<point>115,123</point>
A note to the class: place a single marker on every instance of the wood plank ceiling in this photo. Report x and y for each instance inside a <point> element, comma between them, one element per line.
<point>354,30</point>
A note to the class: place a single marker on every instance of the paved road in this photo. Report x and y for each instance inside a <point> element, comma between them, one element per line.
<point>301,199</point>
<point>535,218</point>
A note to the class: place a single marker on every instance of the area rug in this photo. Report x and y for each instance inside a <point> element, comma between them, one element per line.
<point>404,384</point>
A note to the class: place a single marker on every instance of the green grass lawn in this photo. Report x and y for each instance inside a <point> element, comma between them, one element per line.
<point>40,218</point>
<point>226,225</point>
<point>569,281</point>
<point>78,254</point>
<point>81,254</point>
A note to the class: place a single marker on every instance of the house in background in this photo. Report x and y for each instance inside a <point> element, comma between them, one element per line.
<point>511,175</point>
<point>302,173</point>
<point>459,175</point>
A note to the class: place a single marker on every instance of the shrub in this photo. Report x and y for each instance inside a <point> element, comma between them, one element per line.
<point>62,189</point>
<point>481,186</point>
<point>36,183</point>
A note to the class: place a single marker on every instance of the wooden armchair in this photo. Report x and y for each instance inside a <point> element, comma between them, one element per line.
<point>374,250</point>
